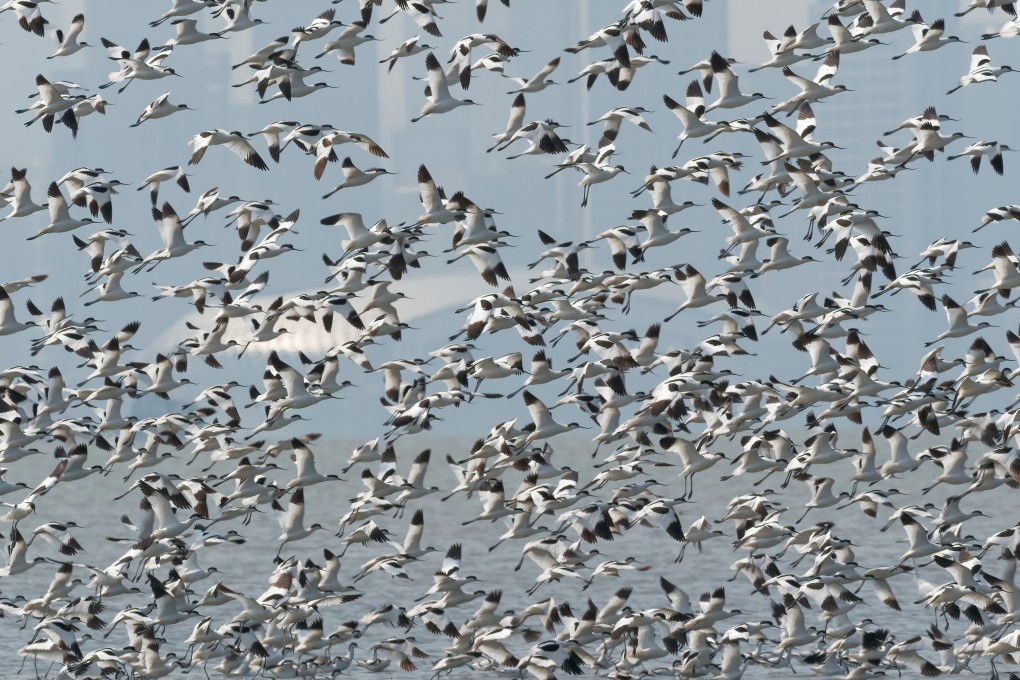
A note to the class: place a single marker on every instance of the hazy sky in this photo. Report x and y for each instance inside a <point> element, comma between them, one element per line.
<point>928,202</point>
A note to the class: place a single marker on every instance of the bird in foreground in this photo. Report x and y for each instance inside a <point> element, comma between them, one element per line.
<point>437,92</point>
<point>68,42</point>
<point>984,149</point>
<point>160,107</point>
<point>234,141</point>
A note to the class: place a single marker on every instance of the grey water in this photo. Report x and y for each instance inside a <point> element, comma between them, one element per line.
<point>247,567</point>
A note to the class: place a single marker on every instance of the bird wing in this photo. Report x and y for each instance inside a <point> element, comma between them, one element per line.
<point>57,204</point>
<point>546,71</point>
<point>170,227</point>
<point>246,152</point>
<point>438,88</point>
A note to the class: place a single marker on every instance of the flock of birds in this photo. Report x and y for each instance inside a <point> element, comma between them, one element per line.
<point>660,414</point>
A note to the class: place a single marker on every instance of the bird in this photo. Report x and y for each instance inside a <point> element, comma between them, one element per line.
<point>437,92</point>
<point>152,182</point>
<point>928,137</point>
<point>613,120</point>
<point>292,522</point>
<point>408,48</point>
<point>172,230</point>
<point>515,123</point>
<point>60,216</point>
<point>355,177</point>
<point>234,141</point>
<point>160,107</point>
<point>596,174</point>
<point>22,204</point>
<point>138,65</point>
<point>730,96</point>
<point>68,42</point>
<point>537,82</point>
<point>927,38</point>
<point>978,150</point>
<point>981,70</point>
<point>812,90</point>
<point>188,34</point>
